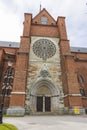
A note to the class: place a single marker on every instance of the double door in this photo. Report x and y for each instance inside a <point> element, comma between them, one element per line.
<point>43,104</point>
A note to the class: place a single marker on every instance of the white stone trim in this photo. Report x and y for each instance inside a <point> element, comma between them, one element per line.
<point>18,93</point>
<point>74,95</point>
<point>47,61</point>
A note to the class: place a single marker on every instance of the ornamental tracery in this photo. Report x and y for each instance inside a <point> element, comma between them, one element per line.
<point>44,48</point>
<point>8,80</point>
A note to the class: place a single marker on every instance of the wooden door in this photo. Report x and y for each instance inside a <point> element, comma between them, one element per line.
<point>39,104</point>
<point>47,104</point>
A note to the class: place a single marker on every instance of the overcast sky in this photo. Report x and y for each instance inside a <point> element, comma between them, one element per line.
<point>75,11</point>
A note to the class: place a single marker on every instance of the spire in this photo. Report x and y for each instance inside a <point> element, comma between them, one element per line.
<point>40,6</point>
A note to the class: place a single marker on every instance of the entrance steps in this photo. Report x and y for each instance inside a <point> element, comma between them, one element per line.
<point>44,113</point>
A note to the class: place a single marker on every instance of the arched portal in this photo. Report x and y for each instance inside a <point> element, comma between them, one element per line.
<point>44,97</point>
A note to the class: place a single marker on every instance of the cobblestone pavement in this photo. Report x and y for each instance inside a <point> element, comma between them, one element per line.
<point>48,122</point>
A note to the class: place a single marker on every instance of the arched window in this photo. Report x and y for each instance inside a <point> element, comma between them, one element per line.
<point>82,92</point>
<point>8,80</point>
<point>44,20</point>
<point>80,78</point>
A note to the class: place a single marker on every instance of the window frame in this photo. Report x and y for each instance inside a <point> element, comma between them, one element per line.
<point>82,91</point>
<point>44,20</point>
<point>80,78</point>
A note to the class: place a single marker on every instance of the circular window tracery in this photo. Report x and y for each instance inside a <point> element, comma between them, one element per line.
<point>44,48</point>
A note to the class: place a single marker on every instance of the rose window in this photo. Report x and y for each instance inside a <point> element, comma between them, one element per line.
<point>44,49</point>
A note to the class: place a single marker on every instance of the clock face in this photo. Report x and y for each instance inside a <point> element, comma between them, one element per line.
<point>44,48</point>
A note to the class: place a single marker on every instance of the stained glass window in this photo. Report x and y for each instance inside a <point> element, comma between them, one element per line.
<point>44,48</point>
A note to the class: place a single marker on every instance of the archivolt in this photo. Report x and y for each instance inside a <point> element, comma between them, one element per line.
<point>44,82</point>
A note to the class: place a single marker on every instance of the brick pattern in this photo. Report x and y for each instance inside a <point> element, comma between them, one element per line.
<point>37,18</point>
<point>62,28</point>
<point>68,66</point>
<point>41,30</point>
<point>27,25</point>
<point>20,78</point>
<point>17,100</point>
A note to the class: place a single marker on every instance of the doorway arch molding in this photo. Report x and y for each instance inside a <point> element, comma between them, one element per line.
<point>54,94</point>
<point>44,82</point>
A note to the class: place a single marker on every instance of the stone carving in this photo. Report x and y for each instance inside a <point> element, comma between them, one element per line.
<point>44,72</point>
<point>44,48</point>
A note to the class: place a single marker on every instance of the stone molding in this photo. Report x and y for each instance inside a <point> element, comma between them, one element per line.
<point>74,95</point>
<point>18,93</point>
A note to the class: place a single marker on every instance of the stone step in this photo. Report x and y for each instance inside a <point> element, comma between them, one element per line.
<point>44,113</point>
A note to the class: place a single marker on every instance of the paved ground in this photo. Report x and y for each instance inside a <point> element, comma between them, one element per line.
<point>48,122</point>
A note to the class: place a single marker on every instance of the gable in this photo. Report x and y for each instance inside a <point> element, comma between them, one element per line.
<point>44,18</point>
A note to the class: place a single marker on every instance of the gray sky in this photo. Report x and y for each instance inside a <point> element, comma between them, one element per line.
<point>75,11</point>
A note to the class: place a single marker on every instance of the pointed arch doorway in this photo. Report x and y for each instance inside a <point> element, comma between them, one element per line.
<point>43,104</point>
<point>43,97</point>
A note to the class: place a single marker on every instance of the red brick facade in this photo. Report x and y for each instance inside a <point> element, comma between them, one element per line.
<point>73,64</point>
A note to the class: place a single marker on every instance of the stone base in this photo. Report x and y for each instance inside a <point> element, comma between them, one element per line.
<point>16,111</point>
<point>20,111</point>
<point>74,110</point>
<point>60,111</point>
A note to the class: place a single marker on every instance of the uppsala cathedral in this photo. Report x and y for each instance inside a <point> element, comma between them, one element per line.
<point>42,74</point>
